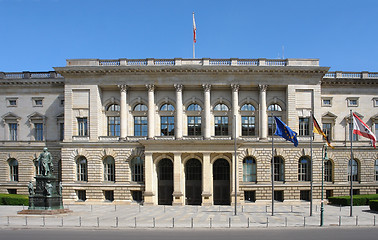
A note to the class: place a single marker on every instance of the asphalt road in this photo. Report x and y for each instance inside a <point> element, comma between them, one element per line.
<point>333,233</point>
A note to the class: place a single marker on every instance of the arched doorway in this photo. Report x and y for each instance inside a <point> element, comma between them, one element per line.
<point>165,182</point>
<point>193,182</point>
<point>221,182</point>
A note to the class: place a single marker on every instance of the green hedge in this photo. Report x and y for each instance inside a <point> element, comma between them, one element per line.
<point>373,204</point>
<point>14,199</point>
<point>358,200</point>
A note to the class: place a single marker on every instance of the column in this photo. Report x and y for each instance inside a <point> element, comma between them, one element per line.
<point>123,113</point>
<point>178,127</point>
<point>178,196</point>
<point>207,180</point>
<point>150,180</point>
<point>263,116</point>
<point>151,110</point>
<point>207,88</point>
<point>235,109</point>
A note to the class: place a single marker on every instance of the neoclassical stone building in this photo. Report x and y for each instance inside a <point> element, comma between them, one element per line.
<point>163,131</point>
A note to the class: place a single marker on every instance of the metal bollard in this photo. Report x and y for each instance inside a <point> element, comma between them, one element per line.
<point>79,221</point>
<point>356,220</point>
<point>248,223</point>
<point>91,208</point>
<point>242,208</point>
<point>8,220</point>
<point>191,224</point>
<point>285,221</point>
<point>173,222</point>
<point>266,208</point>
<point>211,222</point>
<point>116,225</point>
<point>291,208</point>
<point>98,222</point>
<point>304,221</point>
<point>26,220</point>
<point>61,222</point>
<point>135,222</point>
<point>339,220</point>
<point>229,222</point>
<point>267,222</point>
<point>374,221</point>
<point>153,223</point>
<point>43,221</point>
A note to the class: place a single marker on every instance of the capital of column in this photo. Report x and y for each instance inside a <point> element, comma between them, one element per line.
<point>178,87</point>
<point>263,88</point>
<point>206,87</point>
<point>235,87</point>
<point>123,87</point>
<point>150,87</point>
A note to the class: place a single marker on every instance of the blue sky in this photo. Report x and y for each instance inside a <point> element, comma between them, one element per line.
<point>36,35</point>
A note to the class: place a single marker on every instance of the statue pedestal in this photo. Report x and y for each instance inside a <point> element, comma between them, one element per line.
<point>47,198</point>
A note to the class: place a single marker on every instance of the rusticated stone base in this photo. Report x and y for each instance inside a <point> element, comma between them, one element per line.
<point>44,212</point>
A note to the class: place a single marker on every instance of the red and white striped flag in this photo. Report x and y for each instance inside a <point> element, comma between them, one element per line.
<point>360,128</point>
<point>194,30</point>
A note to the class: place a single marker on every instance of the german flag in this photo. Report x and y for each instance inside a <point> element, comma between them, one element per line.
<point>319,131</point>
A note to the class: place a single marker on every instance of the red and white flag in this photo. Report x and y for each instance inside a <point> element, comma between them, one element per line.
<point>194,30</point>
<point>360,128</point>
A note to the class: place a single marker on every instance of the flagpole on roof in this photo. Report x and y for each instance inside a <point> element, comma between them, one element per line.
<point>272,163</point>
<point>351,162</point>
<point>194,37</point>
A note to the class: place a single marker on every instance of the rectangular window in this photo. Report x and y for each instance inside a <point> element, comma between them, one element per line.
<point>12,102</point>
<point>327,129</point>
<point>194,126</point>
<point>272,125</point>
<point>279,196</point>
<point>109,195</point>
<point>351,134</point>
<point>356,191</point>
<point>12,191</point>
<point>329,193</point>
<point>167,126</point>
<point>37,101</point>
<point>140,126</point>
<point>13,131</point>
<point>250,196</point>
<point>114,126</point>
<point>221,126</point>
<point>82,126</point>
<point>352,102</point>
<point>137,196</point>
<point>248,126</point>
<point>38,131</point>
<point>305,195</point>
<point>61,131</point>
<point>304,126</point>
<point>81,195</point>
<point>326,102</point>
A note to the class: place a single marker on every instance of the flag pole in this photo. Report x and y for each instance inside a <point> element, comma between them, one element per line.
<point>272,165</point>
<point>351,162</point>
<point>311,163</point>
<point>194,37</point>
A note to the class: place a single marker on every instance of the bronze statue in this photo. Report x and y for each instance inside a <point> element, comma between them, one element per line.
<point>45,161</point>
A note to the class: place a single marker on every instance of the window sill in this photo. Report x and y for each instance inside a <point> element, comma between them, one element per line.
<point>80,138</point>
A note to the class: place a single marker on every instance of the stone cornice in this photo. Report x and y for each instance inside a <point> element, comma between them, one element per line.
<point>348,81</point>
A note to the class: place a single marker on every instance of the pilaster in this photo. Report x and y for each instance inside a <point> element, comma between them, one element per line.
<point>263,114</point>
<point>178,196</point>
<point>207,181</point>
<point>235,110</point>
<point>123,106</point>
<point>207,88</point>
<point>151,110</point>
<point>179,113</point>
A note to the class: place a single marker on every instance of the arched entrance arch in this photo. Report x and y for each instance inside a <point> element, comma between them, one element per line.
<point>193,182</point>
<point>165,182</point>
<point>221,182</point>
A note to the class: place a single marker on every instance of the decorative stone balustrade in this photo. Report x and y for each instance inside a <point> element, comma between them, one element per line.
<point>351,75</point>
<point>30,75</point>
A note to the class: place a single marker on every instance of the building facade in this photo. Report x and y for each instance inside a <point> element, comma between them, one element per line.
<point>164,131</point>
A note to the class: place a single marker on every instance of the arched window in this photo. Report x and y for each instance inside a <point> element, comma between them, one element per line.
<point>220,120</point>
<point>140,120</point>
<point>194,120</point>
<point>249,170</point>
<point>376,170</point>
<point>194,107</point>
<point>137,169</point>
<point>328,170</point>
<point>109,169</point>
<point>279,170</point>
<point>13,169</point>
<point>248,120</point>
<point>277,113</point>
<point>355,175</point>
<point>221,107</point>
<point>114,121</point>
<point>82,169</point>
<point>304,169</point>
<point>167,120</point>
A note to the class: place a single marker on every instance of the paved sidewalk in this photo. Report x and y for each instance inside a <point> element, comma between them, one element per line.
<point>135,216</point>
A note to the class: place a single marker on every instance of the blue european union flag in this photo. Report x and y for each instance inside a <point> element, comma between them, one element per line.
<point>284,131</point>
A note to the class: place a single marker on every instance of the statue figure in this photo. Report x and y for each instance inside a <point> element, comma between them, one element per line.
<point>30,188</point>
<point>48,188</point>
<point>60,188</point>
<point>45,161</point>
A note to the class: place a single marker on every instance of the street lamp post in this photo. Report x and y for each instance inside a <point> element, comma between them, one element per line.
<point>324,158</point>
